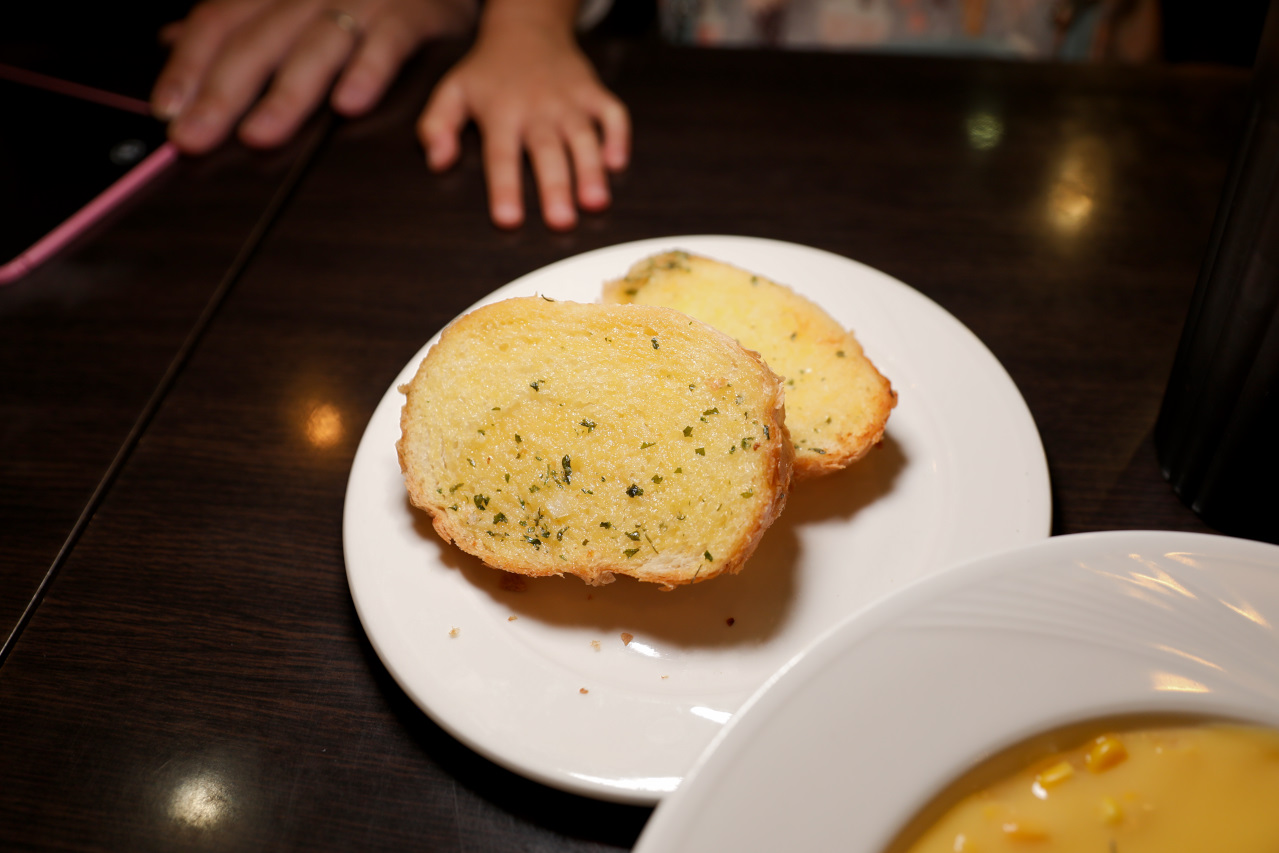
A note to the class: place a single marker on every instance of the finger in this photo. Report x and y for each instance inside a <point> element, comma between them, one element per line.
<point>170,33</point>
<point>300,84</point>
<point>377,59</point>
<point>550,167</point>
<point>198,40</point>
<point>237,75</point>
<point>502,168</point>
<point>615,125</point>
<point>588,170</point>
<point>441,124</point>
<point>391,37</point>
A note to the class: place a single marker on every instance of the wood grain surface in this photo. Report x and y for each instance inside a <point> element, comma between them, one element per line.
<point>196,676</point>
<point>87,339</point>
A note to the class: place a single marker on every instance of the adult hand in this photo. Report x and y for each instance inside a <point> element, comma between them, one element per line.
<point>528,86</point>
<point>225,51</point>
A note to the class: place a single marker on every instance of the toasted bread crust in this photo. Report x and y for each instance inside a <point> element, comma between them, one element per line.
<point>837,402</point>
<point>551,438</point>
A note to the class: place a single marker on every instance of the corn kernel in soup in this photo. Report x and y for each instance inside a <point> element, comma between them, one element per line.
<point>1194,788</point>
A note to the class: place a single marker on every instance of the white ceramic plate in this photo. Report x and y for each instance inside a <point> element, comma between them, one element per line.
<point>961,473</point>
<point>854,737</point>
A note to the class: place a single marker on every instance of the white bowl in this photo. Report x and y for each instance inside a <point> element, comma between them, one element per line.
<point>861,730</point>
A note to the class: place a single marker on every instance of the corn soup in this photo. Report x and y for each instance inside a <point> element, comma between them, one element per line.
<point>1158,790</point>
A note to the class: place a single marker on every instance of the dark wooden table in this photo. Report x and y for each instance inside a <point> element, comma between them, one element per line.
<point>192,674</point>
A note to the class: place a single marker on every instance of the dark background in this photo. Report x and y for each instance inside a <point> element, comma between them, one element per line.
<point>115,45</point>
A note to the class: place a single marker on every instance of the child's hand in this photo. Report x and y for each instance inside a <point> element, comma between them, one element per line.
<point>225,51</point>
<point>529,88</point>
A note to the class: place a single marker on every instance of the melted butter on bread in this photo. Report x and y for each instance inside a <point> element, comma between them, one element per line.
<point>555,438</point>
<point>837,403</point>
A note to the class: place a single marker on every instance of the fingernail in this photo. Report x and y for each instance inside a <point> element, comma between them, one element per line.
<point>196,120</point>
<point>594,196</point>
<point>261,123</point>
<point>560,215</point>
<point>616,160</point>
<point>354,94</point>
<point>506,214</point>
<point>167,102</point>
<point>195,130</point>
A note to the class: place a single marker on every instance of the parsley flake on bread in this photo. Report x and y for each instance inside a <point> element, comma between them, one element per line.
<point>550,438</point>
<point>837,403</point>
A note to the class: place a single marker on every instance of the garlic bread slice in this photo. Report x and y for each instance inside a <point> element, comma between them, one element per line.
<point>837,403</point>
<point>551,438</point>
